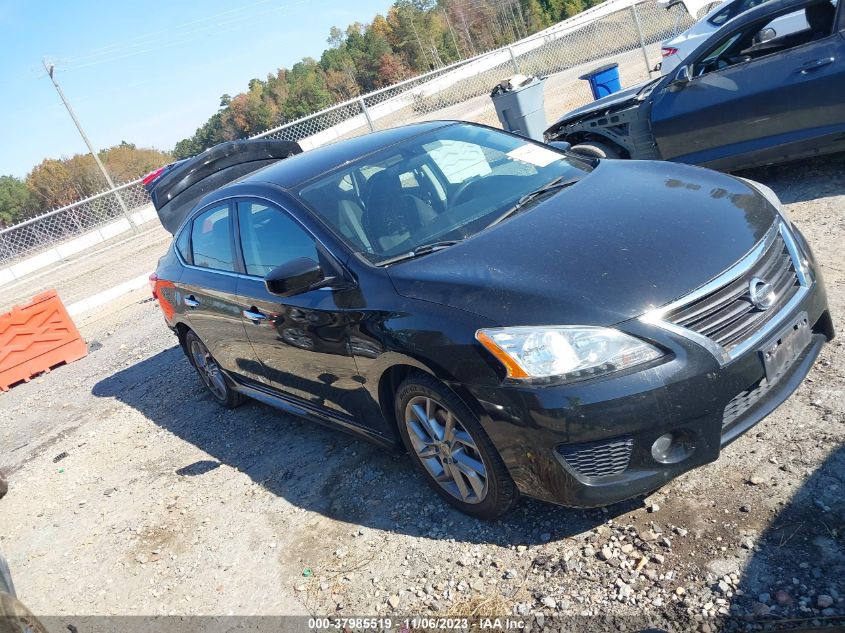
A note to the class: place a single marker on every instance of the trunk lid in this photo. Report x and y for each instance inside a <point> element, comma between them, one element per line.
<point>182,184</point>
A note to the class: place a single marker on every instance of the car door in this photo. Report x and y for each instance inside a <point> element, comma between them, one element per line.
<point>748,108</point>
<point>722,112</point>
<point>817,87</point>
<point>302,341</point>
<point>209,287</point>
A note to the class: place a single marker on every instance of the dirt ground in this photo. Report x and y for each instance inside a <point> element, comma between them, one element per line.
<point>132,493</point>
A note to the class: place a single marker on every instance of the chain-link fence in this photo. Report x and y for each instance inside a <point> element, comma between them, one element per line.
<point>623,31</point>
<point>97,218</point>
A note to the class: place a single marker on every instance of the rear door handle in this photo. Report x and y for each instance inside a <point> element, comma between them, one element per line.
<point>254,315</point>
<point>191,302</point>
<point>816,63</point>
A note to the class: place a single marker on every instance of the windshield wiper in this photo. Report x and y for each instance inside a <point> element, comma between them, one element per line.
<point>424,249</point>
<point>554,185</point>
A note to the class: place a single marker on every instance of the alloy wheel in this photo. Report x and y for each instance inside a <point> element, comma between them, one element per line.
<point>446,450</point>
<point>208,370</point>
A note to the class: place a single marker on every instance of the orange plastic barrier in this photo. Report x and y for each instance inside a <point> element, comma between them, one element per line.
<point>35,338</point>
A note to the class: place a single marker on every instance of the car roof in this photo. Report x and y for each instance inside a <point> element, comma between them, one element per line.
<point>297,169</point>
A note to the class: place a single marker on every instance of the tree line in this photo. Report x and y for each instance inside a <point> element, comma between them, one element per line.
<point>58,182</point>
<point>414,37</point>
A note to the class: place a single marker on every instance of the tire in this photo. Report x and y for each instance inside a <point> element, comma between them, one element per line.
<point>467,471</point>
<point>595,149</point>
<point>210,373</point>
<point>16,618</point>
<point>4,486</point>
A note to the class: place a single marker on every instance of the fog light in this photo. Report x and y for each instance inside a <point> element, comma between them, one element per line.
<point>672,448</point>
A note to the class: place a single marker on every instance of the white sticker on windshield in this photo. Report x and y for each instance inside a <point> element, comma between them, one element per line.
<point>534,155</point>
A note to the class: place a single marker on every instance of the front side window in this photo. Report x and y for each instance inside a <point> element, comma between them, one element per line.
<point>270,238</point>
<point>211,240</point>
<point>769,36</point>
<point>443,185</point>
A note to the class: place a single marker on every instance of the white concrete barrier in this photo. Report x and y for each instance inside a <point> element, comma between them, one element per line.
<point>60,252</point>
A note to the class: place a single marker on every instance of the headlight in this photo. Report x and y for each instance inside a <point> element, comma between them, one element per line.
<point>771,196</point>
<point>565,352</point>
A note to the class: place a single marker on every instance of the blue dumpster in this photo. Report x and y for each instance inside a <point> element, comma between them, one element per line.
<point>604,80</point>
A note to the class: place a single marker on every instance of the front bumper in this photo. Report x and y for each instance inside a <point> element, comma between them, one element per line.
<point>544,433</point>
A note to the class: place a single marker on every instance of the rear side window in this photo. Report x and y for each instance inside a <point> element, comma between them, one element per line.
<point>211,240</point>
<point>270,238</point>
<point>183,244</point>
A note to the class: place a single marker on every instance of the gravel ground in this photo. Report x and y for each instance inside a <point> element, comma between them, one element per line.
<point>132,493</point>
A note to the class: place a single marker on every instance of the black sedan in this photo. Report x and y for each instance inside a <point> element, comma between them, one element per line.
<point>739,100</point>
<point>521,319</point>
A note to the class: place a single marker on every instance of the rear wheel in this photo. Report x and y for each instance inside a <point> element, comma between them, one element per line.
<point>210,373</point>
<point>595,149</point>
<point>450,448</point>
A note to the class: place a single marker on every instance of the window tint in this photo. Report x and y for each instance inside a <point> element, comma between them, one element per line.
<point>211,240</point>
<point>444,185</point>
<point>183,244</point>
<point>270,238</point>
<point>770,36</point>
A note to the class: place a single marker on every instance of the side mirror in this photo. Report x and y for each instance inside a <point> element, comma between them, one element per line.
<point>294,277</point>
<point>561,145</point>
<point>766,34</point>
<point>682,78</point>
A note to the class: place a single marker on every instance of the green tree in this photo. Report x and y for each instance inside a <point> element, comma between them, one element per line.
<point>308,90</point>
<point>15,200</point>
<point>413,37</point>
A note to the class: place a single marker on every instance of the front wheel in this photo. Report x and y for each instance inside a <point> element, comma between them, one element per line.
<point>594,149</point>
<point>210,373</point>
<point>448,445</point>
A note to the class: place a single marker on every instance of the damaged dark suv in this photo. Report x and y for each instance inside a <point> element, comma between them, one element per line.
<point>744,98</point>
<point>522,320</point>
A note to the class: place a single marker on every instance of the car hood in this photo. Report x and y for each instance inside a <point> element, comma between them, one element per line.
<point>630,236</point>
<point>609,102</point>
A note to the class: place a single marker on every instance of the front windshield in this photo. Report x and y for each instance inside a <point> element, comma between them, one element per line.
<point>444,185</point>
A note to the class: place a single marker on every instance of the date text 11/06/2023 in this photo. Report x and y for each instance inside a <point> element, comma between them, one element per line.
<point>406,625</point>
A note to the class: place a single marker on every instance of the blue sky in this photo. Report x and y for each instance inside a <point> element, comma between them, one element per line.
<point>148,73</point>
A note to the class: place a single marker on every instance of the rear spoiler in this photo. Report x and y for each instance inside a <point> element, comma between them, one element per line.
<point>179,186</point>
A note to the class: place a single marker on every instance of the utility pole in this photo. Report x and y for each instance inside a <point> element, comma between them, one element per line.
<point>50,68</point>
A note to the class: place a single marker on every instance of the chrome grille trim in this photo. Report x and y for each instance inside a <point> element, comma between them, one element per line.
<point>658,316</point>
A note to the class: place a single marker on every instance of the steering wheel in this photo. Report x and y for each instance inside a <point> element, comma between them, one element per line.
<point>456,197</point>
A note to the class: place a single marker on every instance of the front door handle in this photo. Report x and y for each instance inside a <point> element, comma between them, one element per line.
<point>254,315</point>
<point>191,302</point>
<point>816,63</point>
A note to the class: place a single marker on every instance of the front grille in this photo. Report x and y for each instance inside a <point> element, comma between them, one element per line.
<point>726,315</point>
<point>746,399</point>
<point>598,459</point>
<point>743,401</point>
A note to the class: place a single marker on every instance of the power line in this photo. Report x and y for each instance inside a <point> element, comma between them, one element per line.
<point>144,44</point>
<point>50,68</point>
